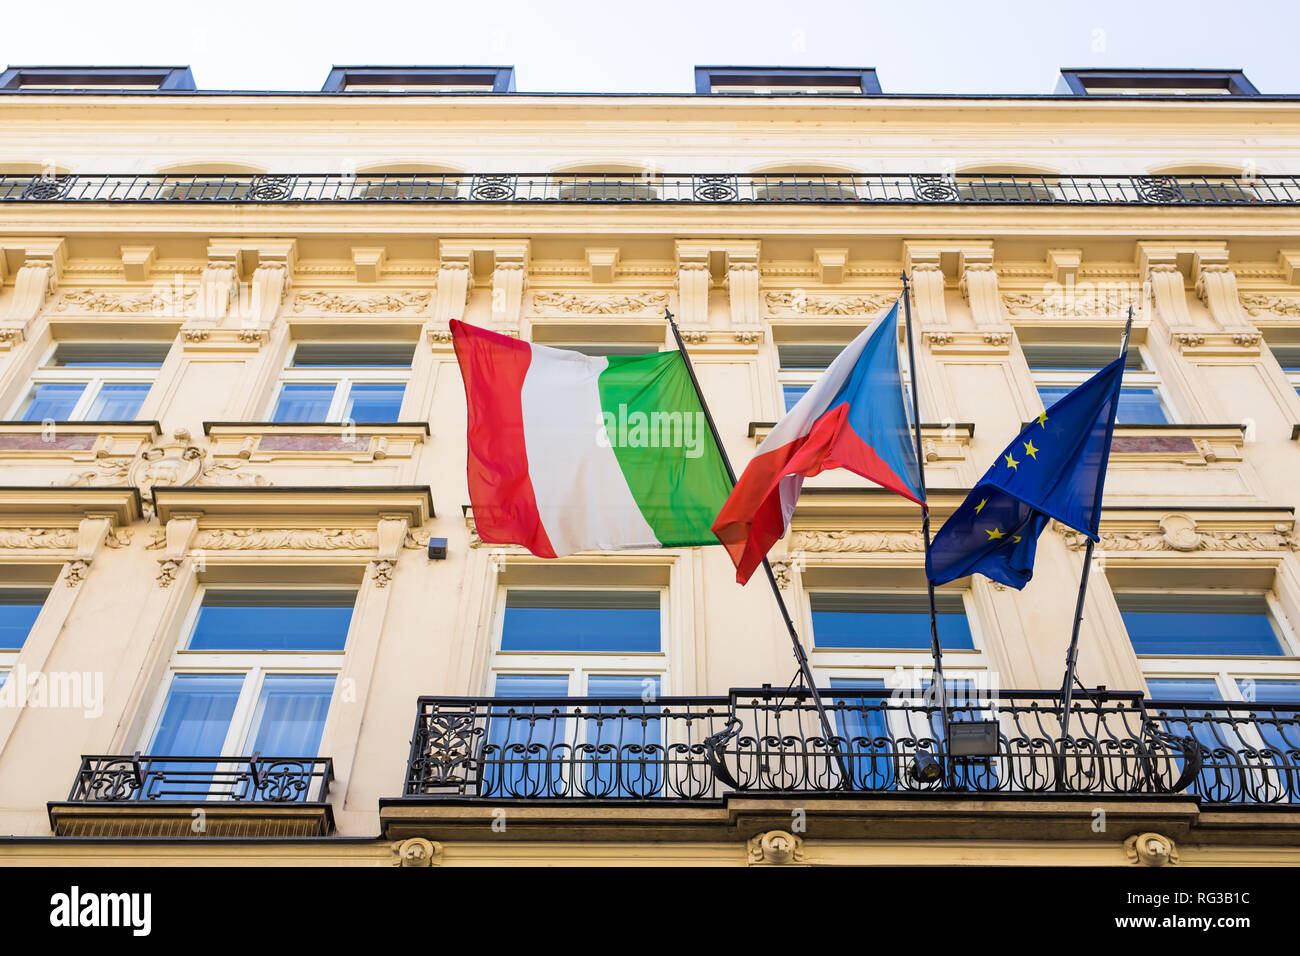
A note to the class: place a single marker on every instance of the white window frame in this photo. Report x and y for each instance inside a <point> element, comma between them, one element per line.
<point>9,658</point>
<point>1225,670</point>
<point>895,664</point>
<point>93,378</point>
<point>578,668</point>
<point>341,377</point>
<point>255,666</point>
<point>1146,377</point>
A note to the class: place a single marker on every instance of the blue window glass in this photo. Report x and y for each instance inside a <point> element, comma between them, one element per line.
<point>872,755</point>
<point>273,620</point>
<point>895,620</point>
<point>1200,624</point>
<point>1200,689</point>
<point>118,401</point>
<point>1270,691</point>
<point>581,621</point>
<point>1278,725</point>
<point>18,610</point>
<point>291,715</point>
<point>53,401</point>
<point>303,403</point>
<point>4,676</point>
<point>792,394</point>
<point>1138,405</point>
<point>528,743</point>
<point>374,403</point>
<point>194,723</point>
<point>1202,723</point>
<point>625,751</point>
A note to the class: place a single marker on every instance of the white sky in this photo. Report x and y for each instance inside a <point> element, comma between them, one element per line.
<point>939,46</point>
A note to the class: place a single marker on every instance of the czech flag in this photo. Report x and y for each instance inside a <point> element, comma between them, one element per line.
<point>854,417</point>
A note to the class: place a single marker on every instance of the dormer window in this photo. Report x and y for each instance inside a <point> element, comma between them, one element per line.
<point>144,79</point>
<point>420,79</point>
<point>1156,83</point>
<point>781,81</point>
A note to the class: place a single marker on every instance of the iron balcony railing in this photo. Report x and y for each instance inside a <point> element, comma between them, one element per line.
<point>700,748</point>
<point>885,188</point>
<point>257,779</point>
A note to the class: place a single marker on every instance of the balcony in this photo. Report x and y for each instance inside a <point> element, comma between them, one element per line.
<point>779,188</point>
<point>135,795</point>
<point>700,748</point>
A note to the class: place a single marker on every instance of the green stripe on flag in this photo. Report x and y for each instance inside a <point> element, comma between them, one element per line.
<point>664,447</point>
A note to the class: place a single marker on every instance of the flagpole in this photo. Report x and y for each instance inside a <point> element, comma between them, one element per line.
<point>1072,653</point>
<point>936,651</point>
<point>800,654</point>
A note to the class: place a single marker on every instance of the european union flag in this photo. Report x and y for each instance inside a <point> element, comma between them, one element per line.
<point>1054,469</point>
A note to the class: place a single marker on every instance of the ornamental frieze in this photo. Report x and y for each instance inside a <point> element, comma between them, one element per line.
<point>1080,302</point>
<point>1275,304</point>
<point>1179,532</point>
<point>798,303</point>
<point>372,303</point>
<point>574,303</point>
<point>856,542</point>
<point>163,300</point>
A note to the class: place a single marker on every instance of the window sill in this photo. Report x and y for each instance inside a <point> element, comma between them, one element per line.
<point>294,441</point>
<point>1193,444</point>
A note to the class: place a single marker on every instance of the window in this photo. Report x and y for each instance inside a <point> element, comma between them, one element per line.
<point>758,80</point>
<point>1058,369</point>
<point>1155,83</point>
<point>888,620</point>
<point>1288,356</point>
<point>591,642</point>
<point>612,182</point>
<point>92,381</point>
<point>19,607</point>
<point>254,675</point>
<point>1212,645</point>
<point>801,366</point>
<point>341,382</point>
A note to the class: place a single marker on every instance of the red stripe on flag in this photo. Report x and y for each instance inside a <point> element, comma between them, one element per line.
<point>500,490</point>
<point>751,521</point>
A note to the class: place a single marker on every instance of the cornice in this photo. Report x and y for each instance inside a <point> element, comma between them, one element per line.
<point>45,506</point>
<point>296,506</point>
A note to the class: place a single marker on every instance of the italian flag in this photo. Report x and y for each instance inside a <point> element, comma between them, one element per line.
<point>570,452</point>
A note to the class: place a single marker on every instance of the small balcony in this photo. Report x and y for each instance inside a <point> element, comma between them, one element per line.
<point>140,795</point>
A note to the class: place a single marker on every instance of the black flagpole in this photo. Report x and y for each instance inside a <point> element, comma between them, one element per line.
<point>799,654</point>
<point>1072,654</point>
<point>936,651</point>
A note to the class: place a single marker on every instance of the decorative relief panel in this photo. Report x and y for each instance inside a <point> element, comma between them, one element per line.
<point>1180,532</point>
<point>364,303</point>
<point>625,303</point>
<point>798,303</point>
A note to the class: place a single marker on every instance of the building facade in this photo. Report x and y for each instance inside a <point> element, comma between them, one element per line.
<point>245,616</point>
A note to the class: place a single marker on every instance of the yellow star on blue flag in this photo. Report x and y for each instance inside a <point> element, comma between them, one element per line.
<point>1060,474</point>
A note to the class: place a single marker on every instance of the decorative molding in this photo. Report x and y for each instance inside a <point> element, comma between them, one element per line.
<point>383,572</point>
<point>34,538</point>
<point>774,848</point>
<point>174,462</point>
<point>169,300</point>
<point>366,303</point>
<point>783,572</point>
<point>1150,849</point>
<point>754,337</point>
<point>856,542</point>
<point>1270,304</point>
<point>417,851</point>
<point>1179,532</point>
<point>694,336</point>
<point>1072,302</point>
<point>797,303</point>
<point>167,569</point>
<point>574,303</point>
<point>275,539</point>
<point>76,572</point>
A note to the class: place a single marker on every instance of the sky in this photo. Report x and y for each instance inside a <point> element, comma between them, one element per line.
<point>940,46</point>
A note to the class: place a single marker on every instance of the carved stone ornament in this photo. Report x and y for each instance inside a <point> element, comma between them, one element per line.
<point>417,851</point>
<point>782,571</point>
<point>1178,532</point>
<point>775,848</point>
<point>76,572</point>
<point>273,539</point>
<point>167,572</point>
<point>749,338</point>
<point>383,571</point>
<point>799,303</point>
<point>161,300</point>
<point>1075,301</point>
<point>856,542</point>
<point>625,303</point>
<point>1275,304</point>
<point>366,303</point>
<point>171,463</point>
<point>25,538</point>
<point>939,338</point>
<point>1150,849</point>
<point>694,336</point>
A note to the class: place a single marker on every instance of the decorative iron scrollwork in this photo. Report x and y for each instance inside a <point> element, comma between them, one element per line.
<point>47,187</point>
<point>935,188</point>
<point>1157,188</point>
<point>715,188</point>
<point>270,188</point>
<point>493,188</point>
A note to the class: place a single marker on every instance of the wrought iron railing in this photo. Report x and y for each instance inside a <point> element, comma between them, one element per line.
<point>835,189</point>
<point>699,748</point>
<point>142,779</point>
